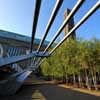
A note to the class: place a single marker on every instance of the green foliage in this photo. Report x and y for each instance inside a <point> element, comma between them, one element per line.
<point>73,58</point>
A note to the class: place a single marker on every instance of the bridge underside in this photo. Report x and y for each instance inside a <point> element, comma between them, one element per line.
<point>16,61</point>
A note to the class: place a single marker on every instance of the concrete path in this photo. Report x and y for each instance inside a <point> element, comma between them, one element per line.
<point>48,92</point>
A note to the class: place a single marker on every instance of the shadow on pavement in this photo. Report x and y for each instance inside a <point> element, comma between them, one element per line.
<point>50,92</point>
<point>25,93</point>
<point>58,93</point>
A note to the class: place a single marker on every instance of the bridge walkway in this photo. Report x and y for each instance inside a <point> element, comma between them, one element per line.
<point>41,90</point>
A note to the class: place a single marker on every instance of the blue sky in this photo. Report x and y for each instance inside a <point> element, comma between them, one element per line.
<point>17,16</point>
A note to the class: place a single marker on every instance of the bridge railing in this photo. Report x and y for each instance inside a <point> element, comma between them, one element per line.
<point>37,53</point>
<point>71,14</point>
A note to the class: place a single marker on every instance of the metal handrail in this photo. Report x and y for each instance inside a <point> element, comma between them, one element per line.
<point>35,20</point>
<point>90,12</point>
<point>74,10</point>
<point>50,22</point>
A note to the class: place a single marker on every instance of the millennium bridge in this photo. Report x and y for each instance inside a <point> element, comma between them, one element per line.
<point>21,55</point>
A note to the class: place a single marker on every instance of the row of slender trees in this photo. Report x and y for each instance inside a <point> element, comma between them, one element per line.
<point>76,62</point>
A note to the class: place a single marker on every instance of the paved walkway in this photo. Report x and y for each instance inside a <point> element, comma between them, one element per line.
<point>48,92</point>
<point>37,89</point>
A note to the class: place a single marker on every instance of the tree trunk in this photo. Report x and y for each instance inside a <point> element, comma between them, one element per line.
<point>66,79</point>
<point>98,76</point>
<point>94,80</point>
<point>74,80</point>
<point>52,76</point>
<point>80,81</point>
<point>87,80</point>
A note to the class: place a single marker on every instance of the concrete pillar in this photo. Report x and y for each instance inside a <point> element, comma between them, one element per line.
<point>69,26</point>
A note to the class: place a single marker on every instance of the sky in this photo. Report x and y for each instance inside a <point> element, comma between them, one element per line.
<point>17,16</point>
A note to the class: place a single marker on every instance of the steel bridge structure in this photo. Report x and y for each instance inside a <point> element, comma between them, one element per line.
<point>16,63</point>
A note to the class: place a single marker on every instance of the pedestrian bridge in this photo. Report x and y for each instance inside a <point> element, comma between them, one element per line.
<point>21,55</point>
